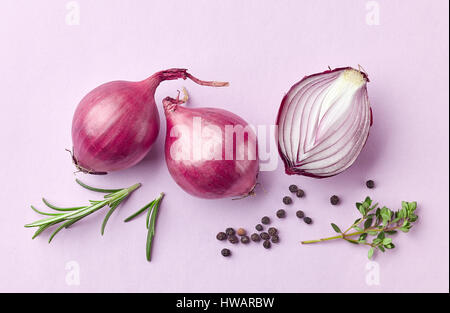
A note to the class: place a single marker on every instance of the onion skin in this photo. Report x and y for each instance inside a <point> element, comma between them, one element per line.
<point>295,166</point>
<point>203,177</point>
<point>115,125</point>
<point>105,142</point>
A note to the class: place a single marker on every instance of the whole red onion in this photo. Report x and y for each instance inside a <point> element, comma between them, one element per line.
<point>210,153</point>
<point>115,124</point>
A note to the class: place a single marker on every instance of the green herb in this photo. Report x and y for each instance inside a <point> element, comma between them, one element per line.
<point>69,216</point>
<point>152,213</point>
<point>378,222</point>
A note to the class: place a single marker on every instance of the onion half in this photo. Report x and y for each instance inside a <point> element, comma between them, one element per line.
<point>323,122</point>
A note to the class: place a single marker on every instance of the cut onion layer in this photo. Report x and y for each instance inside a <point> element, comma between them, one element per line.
<point>323,122</point>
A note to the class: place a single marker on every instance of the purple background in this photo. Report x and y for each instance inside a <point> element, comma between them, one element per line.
<point>262,48</point>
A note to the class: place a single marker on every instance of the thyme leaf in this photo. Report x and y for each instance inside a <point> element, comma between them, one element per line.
<point>387,222</point>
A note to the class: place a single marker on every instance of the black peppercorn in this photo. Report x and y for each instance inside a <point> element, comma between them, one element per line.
<point>300,214</point>
<point>265,220</point>
<point>275,239</point>
<point>233,239</point>
<point>230,231</point>
<point>334,200</point>
<point>265,236</point>
<point>287,200</point>
<point>307,220</point>
<point>272,231</point>
<point>370,184</point>
<point>221,236</point>
<point>255,237</point>
<point>281,213</point>
<point>266,244</point>
<point>245,239</point>
<point>225,252</point>
<point>300,193</point>
<point>259,227</point>
<point>293,188</point>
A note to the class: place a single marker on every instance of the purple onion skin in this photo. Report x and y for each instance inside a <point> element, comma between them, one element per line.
<point>209,179</point>
<point>289,169</point>
<point>115,125</point>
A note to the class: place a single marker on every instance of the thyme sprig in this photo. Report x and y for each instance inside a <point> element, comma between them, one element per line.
<point>66,217</point>
<point>152,213</point>
<point>378,222</point>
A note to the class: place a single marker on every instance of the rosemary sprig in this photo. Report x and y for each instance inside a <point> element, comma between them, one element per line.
<point>152,213</point>
<point>375,221</point>
<point>69,216</point>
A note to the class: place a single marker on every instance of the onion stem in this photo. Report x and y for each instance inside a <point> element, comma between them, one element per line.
<point>206,83</point>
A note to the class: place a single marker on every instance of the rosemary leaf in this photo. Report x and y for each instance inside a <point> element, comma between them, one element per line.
<point>150,222</point>
<point>45,213</point>
<point>75,214</point>
<point>55,232</point>
<point>131,217</point>
<point>149,212</point>
<point>105,220</point>
<point>51,206</point>
<point>41,229</point>
<point>96,189</point>
<point>148,245</point>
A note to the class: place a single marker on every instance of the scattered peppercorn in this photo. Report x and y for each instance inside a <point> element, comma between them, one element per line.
<point>266,244</point>
<point>300,214</point>
<point>287,200</point>
<point>255,237</point>
<point>272,231</point>
<point>221,236</point>
<point>226,252</point>
<point>300,193</point>
<point>245,239</point>
<point>233,239</point>
<point>281,213</point>
<point>259,227</point>
<point>370,184</point>
<point>293,188</point>
<point>275,239</point>
<point>230,231</point>
<point>241,232</point>
<point>265,220</point>
<point>334,200</point>
<point>307,220</point>
<point>265,236</point>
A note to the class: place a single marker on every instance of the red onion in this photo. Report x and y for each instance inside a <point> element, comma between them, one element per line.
<point>323,122</point>
<point>201,155</point>
<point>115,124</point>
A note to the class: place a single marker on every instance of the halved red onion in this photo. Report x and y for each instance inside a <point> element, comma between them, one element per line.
<point>323,122</point>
